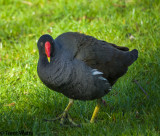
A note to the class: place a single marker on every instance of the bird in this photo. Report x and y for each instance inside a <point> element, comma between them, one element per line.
<point>81,67</point>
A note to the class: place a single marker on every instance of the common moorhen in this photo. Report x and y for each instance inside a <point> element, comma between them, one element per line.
<point>81,67</point>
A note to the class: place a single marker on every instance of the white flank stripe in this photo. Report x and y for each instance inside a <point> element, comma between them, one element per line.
<point>97,73</point>
<point>102,78</point>
<point>110,89</point>
<point>93,70</point>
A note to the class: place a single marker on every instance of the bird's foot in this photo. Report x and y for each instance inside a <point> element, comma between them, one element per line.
<point>63,118</point>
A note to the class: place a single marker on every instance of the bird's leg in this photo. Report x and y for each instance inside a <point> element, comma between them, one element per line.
<point>65,115</point>
<point>99,101</point>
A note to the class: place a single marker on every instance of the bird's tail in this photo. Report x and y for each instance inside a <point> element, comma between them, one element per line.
<point>131,57</point>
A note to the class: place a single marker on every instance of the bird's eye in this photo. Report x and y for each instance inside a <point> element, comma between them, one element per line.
<point>41,43</point>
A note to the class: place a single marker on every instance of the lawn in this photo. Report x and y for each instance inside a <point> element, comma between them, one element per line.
<point>25,101</point>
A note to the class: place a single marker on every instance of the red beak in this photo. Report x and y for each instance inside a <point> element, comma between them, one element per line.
<point>48,50</point>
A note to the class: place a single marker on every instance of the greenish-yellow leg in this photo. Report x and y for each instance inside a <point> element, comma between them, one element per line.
<point>65,115</point>
<point>95,113</point>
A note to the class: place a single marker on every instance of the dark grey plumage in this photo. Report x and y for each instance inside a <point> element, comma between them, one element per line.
<point>81,66</point>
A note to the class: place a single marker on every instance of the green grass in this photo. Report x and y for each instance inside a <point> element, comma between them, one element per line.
<point>25,101</point>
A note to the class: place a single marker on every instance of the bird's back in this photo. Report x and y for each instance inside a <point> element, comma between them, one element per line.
<point>108,58</point>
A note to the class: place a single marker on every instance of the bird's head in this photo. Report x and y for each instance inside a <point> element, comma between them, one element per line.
<point>46,46</point>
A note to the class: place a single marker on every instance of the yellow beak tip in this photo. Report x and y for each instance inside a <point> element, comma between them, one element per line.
<point>48,59</point>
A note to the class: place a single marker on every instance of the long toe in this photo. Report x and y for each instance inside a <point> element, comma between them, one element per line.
<point>72,122</point>
<point>57,118</point>
<point>51,120</point>
<point>64,117</point>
